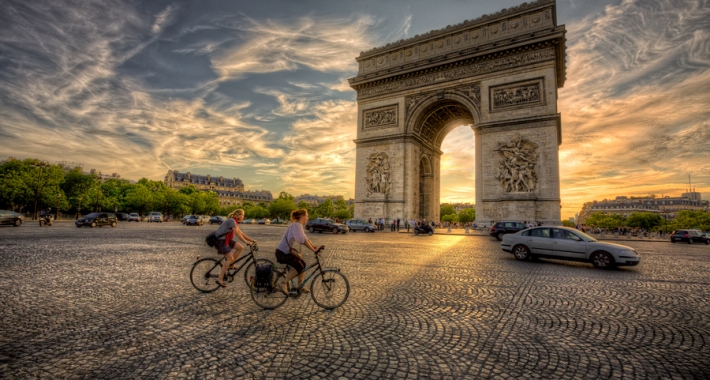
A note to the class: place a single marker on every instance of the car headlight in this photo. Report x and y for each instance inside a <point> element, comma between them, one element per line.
<point>628,252</point>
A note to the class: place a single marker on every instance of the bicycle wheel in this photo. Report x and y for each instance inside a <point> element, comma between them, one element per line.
<point>204,275</point>
<point>330,290</point>
<point>250,272</point>
<point>270,298</point>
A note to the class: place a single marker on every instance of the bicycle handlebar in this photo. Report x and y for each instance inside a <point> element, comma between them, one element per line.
<point>319,250</point>
<point>254,247</point>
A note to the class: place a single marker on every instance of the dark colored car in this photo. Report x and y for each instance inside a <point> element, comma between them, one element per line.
<point>194,220</point>
<point>217,219</point>
<point>98,219</point>
<point>320,225</point>
<point>501,228</point>
<point>689,236</point>
<point>122,216</point>
<point>11,217</point>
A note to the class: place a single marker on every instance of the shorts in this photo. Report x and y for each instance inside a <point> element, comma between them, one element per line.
<point>223,248</point>
<point>291,260</point>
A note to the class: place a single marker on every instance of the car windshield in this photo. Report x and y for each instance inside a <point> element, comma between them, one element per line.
<point>584,236</point>
<point>92,215</point>
<point>134,214</point>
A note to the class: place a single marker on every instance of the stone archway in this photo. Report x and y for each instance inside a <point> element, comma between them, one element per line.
<point>500,75</point>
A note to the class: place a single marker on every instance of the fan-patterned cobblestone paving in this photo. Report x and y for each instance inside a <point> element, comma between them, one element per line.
<point>117,303</point>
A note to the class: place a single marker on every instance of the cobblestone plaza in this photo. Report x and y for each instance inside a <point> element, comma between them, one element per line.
<point>108,303</point>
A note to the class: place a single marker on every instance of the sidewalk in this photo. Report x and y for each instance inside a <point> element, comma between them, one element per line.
<point>462,232</point>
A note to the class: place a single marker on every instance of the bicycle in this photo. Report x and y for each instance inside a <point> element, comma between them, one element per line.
<point>205,271</point>
<point>329,288</point>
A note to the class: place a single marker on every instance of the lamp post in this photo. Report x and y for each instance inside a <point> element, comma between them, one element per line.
<point>78,210</point>
<point>56,211</point>
<point>41,166</point>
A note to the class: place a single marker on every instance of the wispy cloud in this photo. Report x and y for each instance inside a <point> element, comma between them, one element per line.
<point>635,106</point>
<point>270,46</point>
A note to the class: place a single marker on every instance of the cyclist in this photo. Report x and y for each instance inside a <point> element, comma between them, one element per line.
<point>229,247</point>
<point>286,254</point>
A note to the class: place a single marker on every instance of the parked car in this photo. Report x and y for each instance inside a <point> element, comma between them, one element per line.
<point>264,221</point>
<point>689,236</point>
<point>98,219</point>
<point>360,225</point>
<point>194,220</point>
<point>217,219</point>
<point>567,244</point>
<point>121,216</point>
<point>248,221</point>
<point>505,227</point>
<point>11,217</point>
<point>277,221</point>
<point>155,216</point>
<point>321,224</point>
<point>134,217</point>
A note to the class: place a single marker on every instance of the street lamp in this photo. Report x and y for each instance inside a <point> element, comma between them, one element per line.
<point>56,212</point>
<point>41,166</point>
<point>78,210</point>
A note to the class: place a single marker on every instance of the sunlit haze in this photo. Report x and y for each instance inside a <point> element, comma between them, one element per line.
<point>258,90</point>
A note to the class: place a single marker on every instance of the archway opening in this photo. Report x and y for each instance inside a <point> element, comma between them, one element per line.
<point>458,172</point>
<point>454,160</point>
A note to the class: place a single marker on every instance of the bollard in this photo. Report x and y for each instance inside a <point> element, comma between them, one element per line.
<point>603,235</point>
<point>467,230</point>
<point>628,235</point>
<point>449,230</point>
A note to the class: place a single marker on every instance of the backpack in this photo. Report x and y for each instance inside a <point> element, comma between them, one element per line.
<point>264,276</point>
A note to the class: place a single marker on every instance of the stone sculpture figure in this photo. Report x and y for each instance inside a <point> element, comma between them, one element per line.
<point>516,170</point>
<point>378,174</point>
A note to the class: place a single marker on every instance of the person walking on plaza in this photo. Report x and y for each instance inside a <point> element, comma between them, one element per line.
<point>287,254</point>
<point>230,229</point>
<point>397,224</point>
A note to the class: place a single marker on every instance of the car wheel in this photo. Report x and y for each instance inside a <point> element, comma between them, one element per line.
<point>690,240</point>
<point>78,226</point>
<point>602,260</point>
<point>17,222</point>
<point>41,223</point>
<point>430,233</point>
<point>416,232</point>
<point>521,252</point>
<point>367,229</point>
<point>672,241</point>
<point>311,230</point>
<point>113,224</point>
<point>335,230</point>
<point>499,236</point>
<point>345,232</point>
<point>220,223</point>
<point>93,224</point>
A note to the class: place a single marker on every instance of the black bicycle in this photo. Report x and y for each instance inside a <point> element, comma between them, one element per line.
<point>205,271</point>
<point>329,288</point>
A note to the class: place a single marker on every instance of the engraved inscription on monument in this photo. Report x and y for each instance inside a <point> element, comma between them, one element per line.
<point>523,94</point>
<point>378,174</point>
<point>517,166</point>
<point>380,117</point>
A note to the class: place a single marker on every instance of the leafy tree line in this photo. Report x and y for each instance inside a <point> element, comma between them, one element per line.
<point>650,221</point>
<point>24,182</point>
<point>448,214</point>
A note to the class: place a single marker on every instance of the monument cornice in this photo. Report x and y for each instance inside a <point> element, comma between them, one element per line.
<point>462,67</point>
<point>395,139</point>
<point>481,21</point>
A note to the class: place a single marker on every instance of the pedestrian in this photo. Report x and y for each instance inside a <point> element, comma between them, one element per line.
<point>397,224</point>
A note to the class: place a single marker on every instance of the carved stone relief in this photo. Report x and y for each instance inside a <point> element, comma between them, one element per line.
<point>517,170</point>
<point>378,174</point>
<point>525,94</point>
<point>380,117</point>
<point>472,91</point>
<point>458,72</point>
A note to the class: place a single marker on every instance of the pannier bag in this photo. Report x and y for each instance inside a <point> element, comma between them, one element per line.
<point>264,275</point>
<point>212,238</point>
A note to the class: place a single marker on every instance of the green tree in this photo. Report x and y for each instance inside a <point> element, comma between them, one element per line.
<point>450,218</point>
<point>603,220</point>
<point>568,223</point>
<point>282,206</point>
<point>139,199</point>
<point>467,215</point>
<point>692,219</point>
<point>446,209</point>
<point>645,220</point>
<point>325,209</point>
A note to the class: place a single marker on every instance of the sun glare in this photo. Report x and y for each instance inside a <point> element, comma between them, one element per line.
<point>457,166</point>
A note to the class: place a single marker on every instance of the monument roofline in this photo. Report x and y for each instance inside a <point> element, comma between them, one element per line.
<point>467,24</point>
<point>527,24</point>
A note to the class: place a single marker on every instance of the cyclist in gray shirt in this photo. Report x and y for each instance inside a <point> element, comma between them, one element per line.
<point>287,254</point>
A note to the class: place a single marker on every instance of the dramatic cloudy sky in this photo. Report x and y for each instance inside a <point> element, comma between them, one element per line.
<point>258,90</point>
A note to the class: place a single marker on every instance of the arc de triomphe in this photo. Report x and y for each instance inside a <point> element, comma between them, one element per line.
<point>500,74</point>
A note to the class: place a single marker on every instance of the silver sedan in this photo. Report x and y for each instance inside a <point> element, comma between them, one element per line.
<point>564,243</point>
